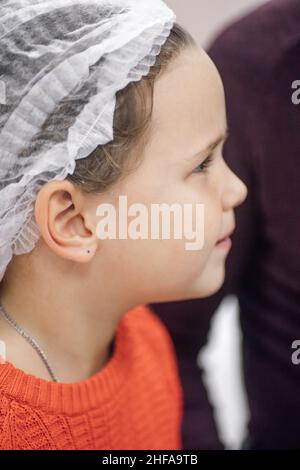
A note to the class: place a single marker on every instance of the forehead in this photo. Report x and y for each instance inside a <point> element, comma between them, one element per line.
<point>188,104</point>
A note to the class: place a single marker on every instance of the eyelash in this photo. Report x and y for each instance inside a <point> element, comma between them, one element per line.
<point>204,165</point>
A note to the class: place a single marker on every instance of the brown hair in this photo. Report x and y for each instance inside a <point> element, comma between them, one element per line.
<point>132,116</point>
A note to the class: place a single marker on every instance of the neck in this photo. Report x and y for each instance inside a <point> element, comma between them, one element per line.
<point>73,321</point>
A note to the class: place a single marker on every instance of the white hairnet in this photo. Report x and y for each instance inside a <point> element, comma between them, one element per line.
<point>50,53</point>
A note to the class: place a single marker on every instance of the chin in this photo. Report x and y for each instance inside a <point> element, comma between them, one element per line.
<point>205,286</point>
<point>212,285</point>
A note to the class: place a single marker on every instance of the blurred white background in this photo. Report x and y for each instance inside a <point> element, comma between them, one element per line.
<point>204,18</point>
<point>221,357</point>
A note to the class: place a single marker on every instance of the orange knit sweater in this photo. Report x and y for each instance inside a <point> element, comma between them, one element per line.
<point>134,402</point>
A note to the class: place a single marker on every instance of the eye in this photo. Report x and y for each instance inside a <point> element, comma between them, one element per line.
<point>204,165</point>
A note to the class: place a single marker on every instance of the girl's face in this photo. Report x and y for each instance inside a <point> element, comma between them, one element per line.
<point>182,164</point>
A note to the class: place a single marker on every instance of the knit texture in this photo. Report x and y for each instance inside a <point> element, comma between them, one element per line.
<point>134,402</point>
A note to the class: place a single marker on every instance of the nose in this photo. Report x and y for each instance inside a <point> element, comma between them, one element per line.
<point>235,191</point>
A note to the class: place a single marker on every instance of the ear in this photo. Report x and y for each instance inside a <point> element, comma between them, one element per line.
<point>65,221</point>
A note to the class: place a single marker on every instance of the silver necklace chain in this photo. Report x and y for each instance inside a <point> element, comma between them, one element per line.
<point>30,340</point>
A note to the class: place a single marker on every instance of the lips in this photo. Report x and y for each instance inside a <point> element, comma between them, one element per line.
<point>226,236</point>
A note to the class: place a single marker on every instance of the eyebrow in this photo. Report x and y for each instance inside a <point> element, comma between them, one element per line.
<point>210,147</point>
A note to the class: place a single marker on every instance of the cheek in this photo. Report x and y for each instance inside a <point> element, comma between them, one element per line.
<point>166,266</point>
<point>213,222</point>
<point>205,191</point>
<point>173,257</point>
<point>205,222</point>
<point>194,263</point>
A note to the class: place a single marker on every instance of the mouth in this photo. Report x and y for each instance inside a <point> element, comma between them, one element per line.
<point>225,242</point>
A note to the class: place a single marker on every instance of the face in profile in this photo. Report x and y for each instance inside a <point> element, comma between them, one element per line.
<point>182,164</point>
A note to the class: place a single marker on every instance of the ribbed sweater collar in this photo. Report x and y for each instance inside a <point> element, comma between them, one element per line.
<point>79,397</point>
